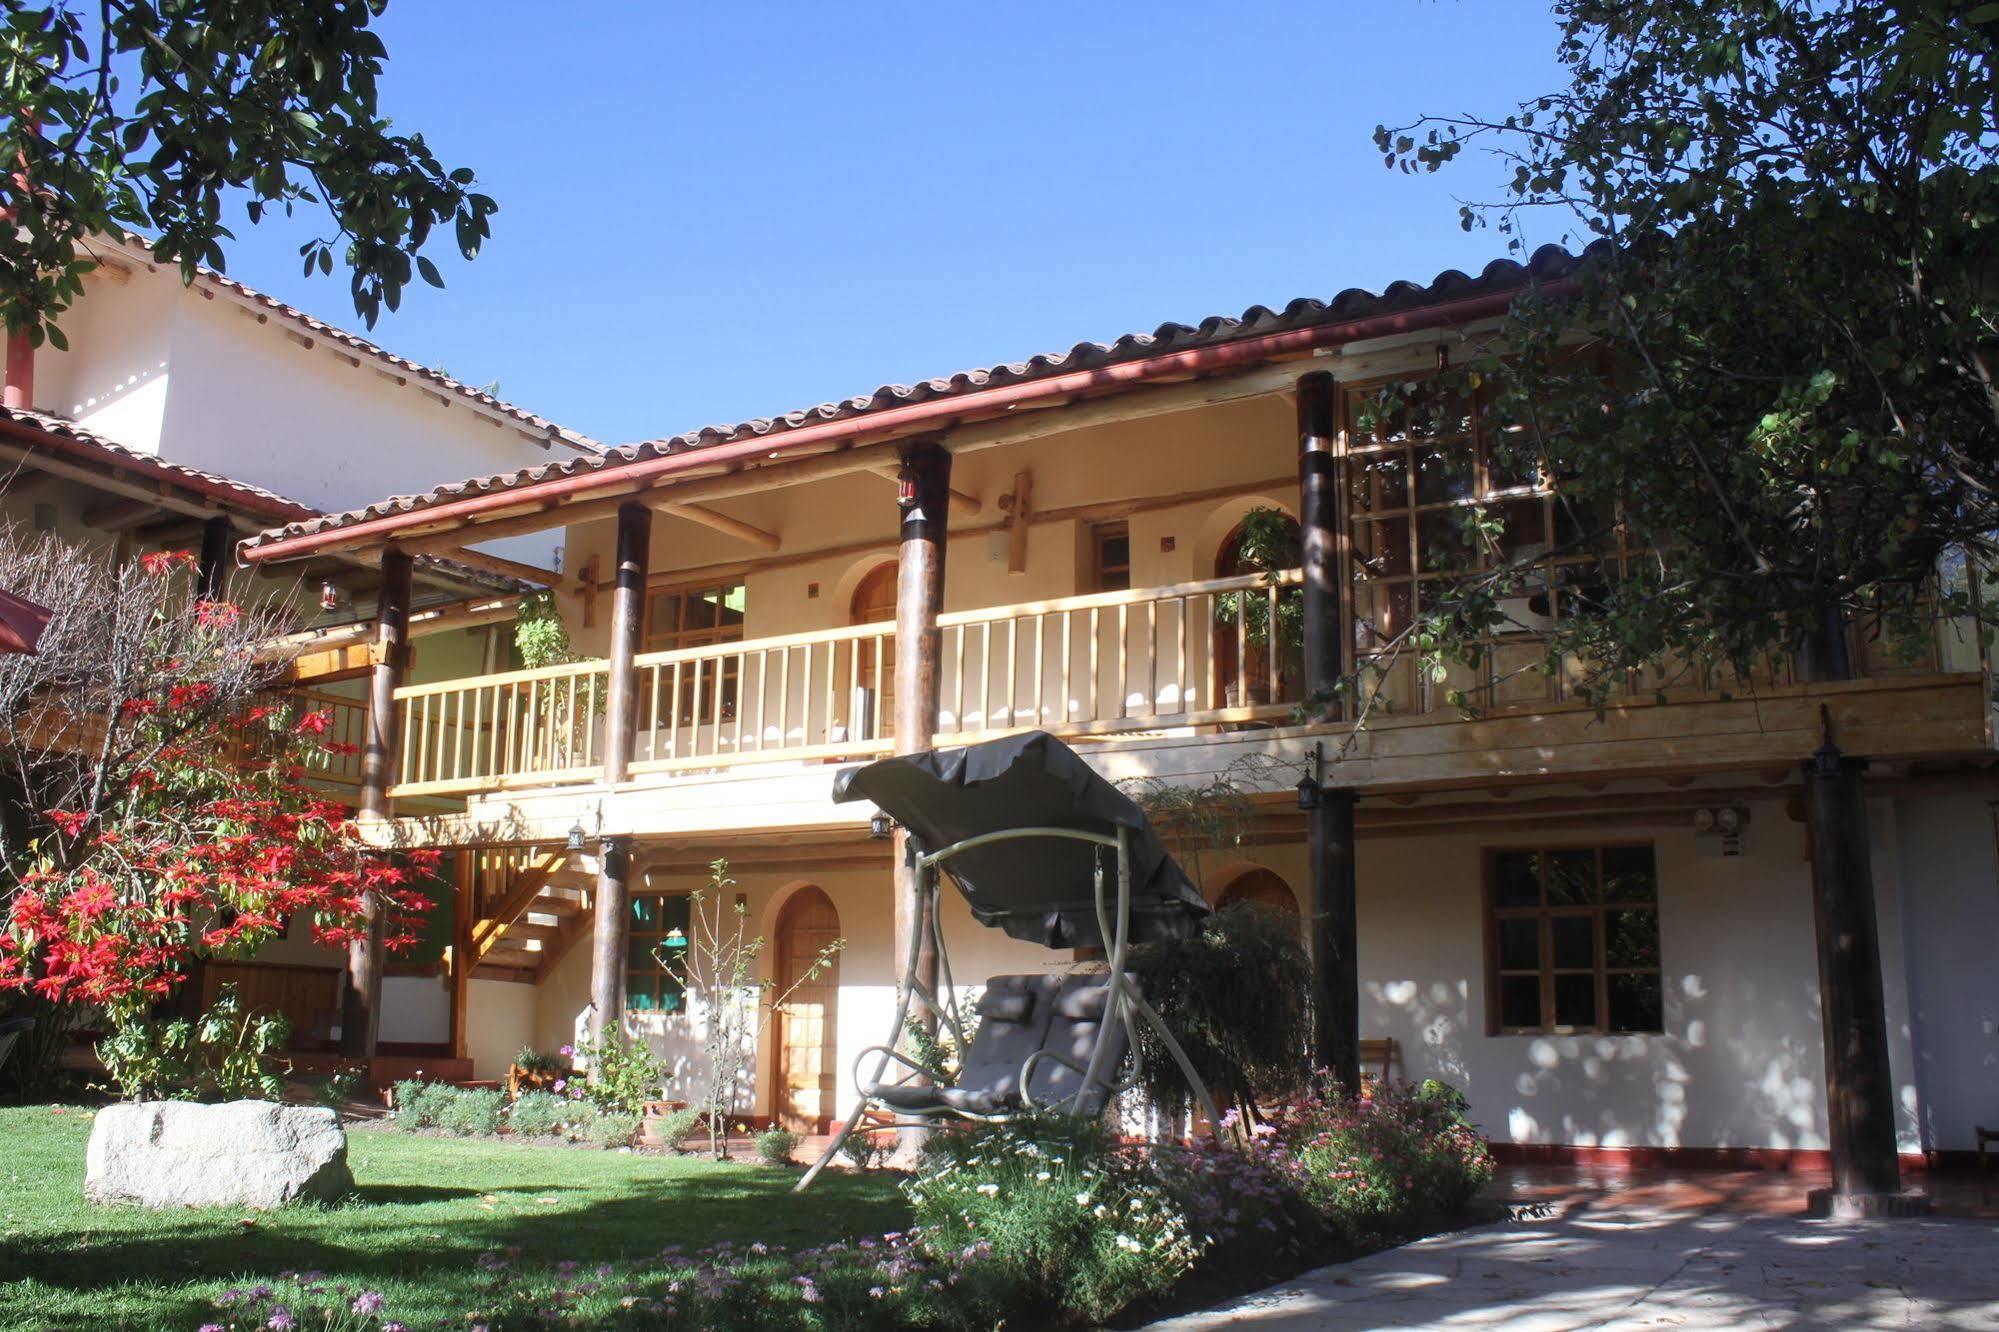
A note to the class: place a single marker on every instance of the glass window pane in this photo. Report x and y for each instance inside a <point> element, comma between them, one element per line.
<point>1516,878</point>
<point>1381,483</point>
<point>639,993</point>
<point>1520,944</point>
<point>1571,877</point>
<point>1635,1003</point>
<point>1382,547</point>
<point>1523,535</point>
<point>1443,474</point>
<point>1519,1001</point>
<point>645,913</point>
<point>1631,938</point>
<point>1629,875</point>
<point>1575,1001</point>
<point>1574,940</point>
<point>1444,546</point>
<point>1509,462</point>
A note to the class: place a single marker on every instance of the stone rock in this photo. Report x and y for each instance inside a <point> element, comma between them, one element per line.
<point>237,1154</point>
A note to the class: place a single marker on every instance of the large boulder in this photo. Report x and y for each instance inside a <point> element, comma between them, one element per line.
<point>238,1154</point>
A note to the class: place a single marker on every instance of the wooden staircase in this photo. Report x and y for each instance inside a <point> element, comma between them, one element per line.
<point>530,908</point>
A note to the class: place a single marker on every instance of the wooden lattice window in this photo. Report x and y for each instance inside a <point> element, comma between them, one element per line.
<point>1573,940</point>
<point>692,617</point>
<point>1110,557</point>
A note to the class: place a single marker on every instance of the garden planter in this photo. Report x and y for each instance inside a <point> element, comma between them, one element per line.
<point>534,1079</point>
<point>236,1154</point>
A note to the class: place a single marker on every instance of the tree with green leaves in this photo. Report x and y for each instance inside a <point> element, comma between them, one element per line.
<point>146,115</point>
<point>1767,402</point>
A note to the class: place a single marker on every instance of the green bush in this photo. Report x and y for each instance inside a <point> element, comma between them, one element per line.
<point>1078,1228</point>
<point>674,1126</point>
<point>626,1074</point>
<point>775,1146</point>
<point>539,1112</point>
<point>865,1150</point>
<point>469,1111</point>
<point>609,1128</point>
<point>1393,1155</point>
<point>418,1102</point>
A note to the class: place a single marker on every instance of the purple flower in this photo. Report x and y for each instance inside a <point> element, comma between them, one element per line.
<point>281,1320</point>
<point>211,1327</point>
<point>367,1302</point>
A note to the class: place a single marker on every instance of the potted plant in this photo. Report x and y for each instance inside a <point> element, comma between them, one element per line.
<point>1267,542</point>
<point>532,1070</point>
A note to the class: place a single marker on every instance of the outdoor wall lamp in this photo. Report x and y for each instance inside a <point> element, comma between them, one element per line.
<point>576,836</point>
<point>881,827</point>
<point>1309,789</point>
<point>329,597</point>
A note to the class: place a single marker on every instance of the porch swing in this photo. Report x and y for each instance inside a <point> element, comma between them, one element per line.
<point>1047,851</point>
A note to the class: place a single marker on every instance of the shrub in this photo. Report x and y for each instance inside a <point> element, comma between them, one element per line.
<point>626,1074</point>
<point>775,1146</point>
<point>673,1127</point>
<point>1078,1228</point>
<point>608,1128</point>
<point>467,1111</point>
<point>540,1112</point>
<point>418,1102</point>
<point>866,1150</point>
<point>531,1060</point>
<point>1235,998</point>
<point>339,1088</point>
<point>1387,1156</point>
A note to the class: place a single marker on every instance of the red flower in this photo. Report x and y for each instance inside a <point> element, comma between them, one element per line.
<point>217,614</point>
<point>161,562</point>
<point>67,821</point>
<point>315,723</point>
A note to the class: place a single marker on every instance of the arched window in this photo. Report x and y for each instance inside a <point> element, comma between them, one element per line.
<point>872,710</point>
<point>1244,638</point>
<point>1259,887</point>
<point>806,1029</point>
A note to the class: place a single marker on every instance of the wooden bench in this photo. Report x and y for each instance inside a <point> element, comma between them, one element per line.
<point>1380,1054</point>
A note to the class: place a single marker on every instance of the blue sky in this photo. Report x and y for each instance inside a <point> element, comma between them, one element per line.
<point>721,211</point>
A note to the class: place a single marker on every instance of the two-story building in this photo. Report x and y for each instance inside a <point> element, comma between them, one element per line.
<point>185,416</point>
<point>1601,927</point>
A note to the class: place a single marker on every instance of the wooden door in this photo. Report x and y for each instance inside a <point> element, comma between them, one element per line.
<point>872,714</point>
<point>806,1026</point>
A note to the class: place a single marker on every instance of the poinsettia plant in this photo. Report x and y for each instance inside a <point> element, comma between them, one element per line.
<point>180,823</point>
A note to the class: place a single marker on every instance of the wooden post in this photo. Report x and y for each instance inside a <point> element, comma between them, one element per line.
<point>212,570</point>
<point>923,493</point>
<point>1860,1096</point>
<point>621,694</point>
<point>361,1009</point>
<point>1330,838</point>
<point>609,938</point>
<point>464,865</point>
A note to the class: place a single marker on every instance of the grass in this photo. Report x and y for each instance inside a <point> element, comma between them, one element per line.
<point>423,1211</point>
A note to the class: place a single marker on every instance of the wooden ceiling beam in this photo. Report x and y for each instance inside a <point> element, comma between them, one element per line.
<point>502,566</point>
<point>112,515</point>
<point>721,522</point>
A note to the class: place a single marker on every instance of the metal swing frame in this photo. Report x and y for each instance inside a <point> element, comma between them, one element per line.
<point>1123,1005</point>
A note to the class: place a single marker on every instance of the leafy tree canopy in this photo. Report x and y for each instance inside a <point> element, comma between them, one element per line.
<point>135,114</point>
<point>1768,404</point>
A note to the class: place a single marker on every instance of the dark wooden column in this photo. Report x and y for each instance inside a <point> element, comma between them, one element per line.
<point>1860,1096</point>
<point>1330,844</point>
<point>923,493</point>
<point>361,1010</point>
<point>621,694</point>
<point>464,886</point>
<point>212,570</point>
<point>609,936</point>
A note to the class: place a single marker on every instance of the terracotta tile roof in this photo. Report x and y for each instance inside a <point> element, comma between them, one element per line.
<point>138,247</point>
<point>1546,263</point>
<point>252,501</point>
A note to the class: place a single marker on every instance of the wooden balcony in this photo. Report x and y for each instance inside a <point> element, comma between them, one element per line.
<point>1147,666</point>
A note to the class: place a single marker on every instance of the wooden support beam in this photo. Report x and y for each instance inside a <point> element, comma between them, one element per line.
<point>498,564</point>
<point>468,614</point>
<point>361,1018</point>
<point>610,934</point>
<point>721,522</point>
<point>212,566</point>
<point>1019,506</point>
<point>329,665</point>
<point>111,515</point>
<point>628,617</point>
<point>1860,1094</point>
<point>527,884</point>
<point>464,868</point>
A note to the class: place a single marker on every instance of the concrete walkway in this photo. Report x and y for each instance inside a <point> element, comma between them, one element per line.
<point>1611,1263</point>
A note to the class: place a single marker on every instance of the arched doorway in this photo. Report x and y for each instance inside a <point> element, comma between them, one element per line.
<point>806,1027</point>
<point>1259,887</point>
<point>871,712</point>
<point>1243,635</point>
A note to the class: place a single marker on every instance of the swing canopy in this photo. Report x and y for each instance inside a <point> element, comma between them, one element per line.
<point>1038,889</point>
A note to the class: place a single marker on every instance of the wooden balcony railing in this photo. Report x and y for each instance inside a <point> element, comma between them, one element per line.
<point>1146,659</point>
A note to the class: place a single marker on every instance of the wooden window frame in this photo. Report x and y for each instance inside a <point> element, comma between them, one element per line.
<point>1491,914</point>
<point>664,979</point>
<point>1102,534</point>
<point>695,711</point>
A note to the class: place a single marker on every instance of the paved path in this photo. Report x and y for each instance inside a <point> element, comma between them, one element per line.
<point>1603,1265</point>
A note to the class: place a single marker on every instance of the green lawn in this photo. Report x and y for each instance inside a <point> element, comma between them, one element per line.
<point>425,1209</point>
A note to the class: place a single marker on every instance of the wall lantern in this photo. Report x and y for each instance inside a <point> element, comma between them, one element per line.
<point>881,827</point>
<point>1309,789</point>
<point>576,836</point>
<point>329,597</point>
